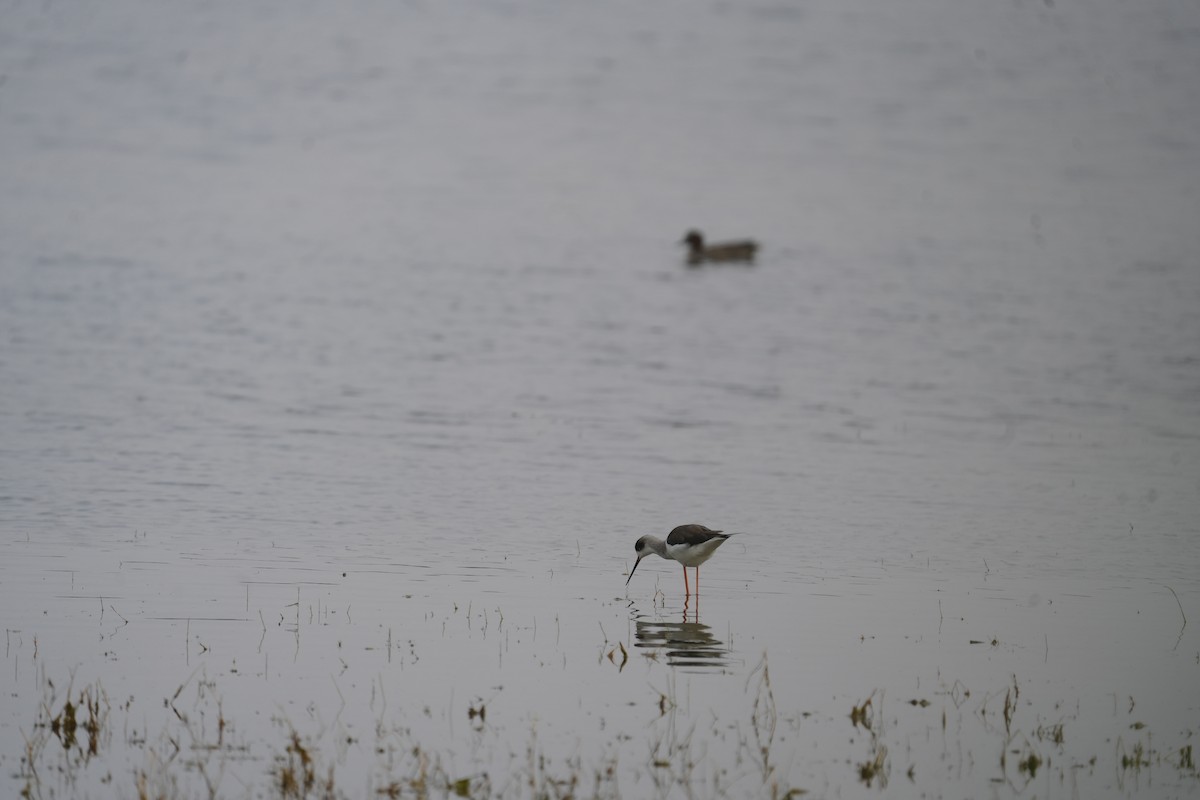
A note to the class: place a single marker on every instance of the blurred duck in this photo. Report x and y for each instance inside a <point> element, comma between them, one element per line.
<point>699,252</point>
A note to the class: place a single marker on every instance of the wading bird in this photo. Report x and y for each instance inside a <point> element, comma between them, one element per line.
<point>690,545</point>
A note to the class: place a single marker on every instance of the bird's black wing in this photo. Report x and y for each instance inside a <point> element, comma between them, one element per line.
<point>693,535</point>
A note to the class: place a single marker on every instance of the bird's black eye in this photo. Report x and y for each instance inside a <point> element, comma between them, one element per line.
<point>640,544</point>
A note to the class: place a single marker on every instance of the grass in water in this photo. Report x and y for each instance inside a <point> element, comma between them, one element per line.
<point>82,744</point>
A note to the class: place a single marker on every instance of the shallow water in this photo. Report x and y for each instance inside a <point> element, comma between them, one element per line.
<point>347,352</point>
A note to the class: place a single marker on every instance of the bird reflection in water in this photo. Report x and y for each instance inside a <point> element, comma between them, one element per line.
<point>689,643</point>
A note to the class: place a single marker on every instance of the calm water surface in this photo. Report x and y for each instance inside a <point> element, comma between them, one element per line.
<point>345,353</point>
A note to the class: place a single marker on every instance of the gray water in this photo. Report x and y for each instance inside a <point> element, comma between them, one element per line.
<point>347,349</point>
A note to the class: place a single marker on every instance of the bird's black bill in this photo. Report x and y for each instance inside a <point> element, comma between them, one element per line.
<point>627,580</point>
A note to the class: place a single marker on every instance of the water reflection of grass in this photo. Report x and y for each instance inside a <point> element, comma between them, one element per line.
<point>82,743</point>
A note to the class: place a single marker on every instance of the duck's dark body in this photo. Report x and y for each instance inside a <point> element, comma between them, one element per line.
<point>742,250</point>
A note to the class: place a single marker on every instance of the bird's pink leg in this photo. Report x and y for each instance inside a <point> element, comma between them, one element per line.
<point>686,590</point>
<point>697,581</point>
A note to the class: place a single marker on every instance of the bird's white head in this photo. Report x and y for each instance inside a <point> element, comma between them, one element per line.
<point>643,547</point>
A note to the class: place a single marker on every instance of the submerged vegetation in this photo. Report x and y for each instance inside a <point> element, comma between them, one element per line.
<point>226,730</point>
<point>82,743</point>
